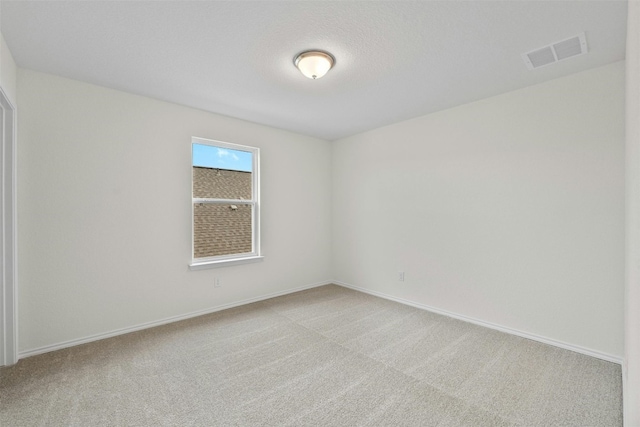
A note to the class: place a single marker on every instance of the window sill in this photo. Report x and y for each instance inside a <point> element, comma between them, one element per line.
<point>202,265</point>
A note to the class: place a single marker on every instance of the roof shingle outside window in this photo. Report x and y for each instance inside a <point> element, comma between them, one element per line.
<point>221,229</point>
<point>211,183</point>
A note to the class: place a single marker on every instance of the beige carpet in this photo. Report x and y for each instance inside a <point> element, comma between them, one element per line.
<point>328,356</point>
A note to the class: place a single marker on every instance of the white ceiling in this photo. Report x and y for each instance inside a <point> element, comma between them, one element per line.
<point>394,60</point>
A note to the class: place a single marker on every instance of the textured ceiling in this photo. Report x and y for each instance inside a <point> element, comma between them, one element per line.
<point>394,60</point>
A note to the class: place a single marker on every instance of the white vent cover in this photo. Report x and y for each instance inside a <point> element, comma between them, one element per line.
<point>555,52</point>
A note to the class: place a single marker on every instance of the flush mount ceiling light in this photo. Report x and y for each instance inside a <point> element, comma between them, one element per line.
<point>314,63</point>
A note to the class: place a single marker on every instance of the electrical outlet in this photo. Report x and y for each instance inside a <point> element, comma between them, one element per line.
<point>401,276</point>
<point>216,283</point>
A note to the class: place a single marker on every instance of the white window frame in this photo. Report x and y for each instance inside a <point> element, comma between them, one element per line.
<point>232,259</point>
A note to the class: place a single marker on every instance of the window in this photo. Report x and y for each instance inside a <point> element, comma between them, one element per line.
<point>225,203</point>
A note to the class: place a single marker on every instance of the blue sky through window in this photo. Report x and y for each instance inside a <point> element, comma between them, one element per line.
<point>221,158</point>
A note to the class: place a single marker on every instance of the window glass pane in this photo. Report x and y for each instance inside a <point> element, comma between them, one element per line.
<point>221,229</point>
<point>221,173</point>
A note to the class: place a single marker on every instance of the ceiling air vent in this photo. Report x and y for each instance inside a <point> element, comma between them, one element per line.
<point>556,52</point>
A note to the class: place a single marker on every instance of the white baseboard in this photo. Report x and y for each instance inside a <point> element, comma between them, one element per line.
<point>527,335</point>
<point>560,344</point>
<point>122,331</point>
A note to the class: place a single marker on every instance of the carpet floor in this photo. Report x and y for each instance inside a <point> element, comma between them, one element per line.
<point>328,356</point>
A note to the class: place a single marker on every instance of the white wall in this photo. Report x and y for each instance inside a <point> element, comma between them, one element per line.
<point>631,366</point>
<point>509,210</point>
<point>104,211</point>
<point>7,72</point>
